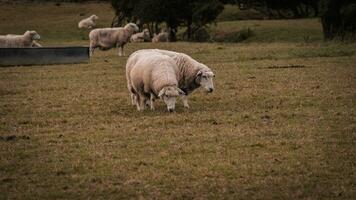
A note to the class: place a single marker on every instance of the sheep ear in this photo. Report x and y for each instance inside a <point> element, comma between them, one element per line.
<point>181,92</point>
<point>199,73</point>
<point>161,93</point>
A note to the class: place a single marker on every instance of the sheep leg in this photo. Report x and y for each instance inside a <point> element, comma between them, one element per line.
<point>152,99</point>
<point>141,102</point>
<point>91,50</point>
<point>121,51</point>
<point>185,101</point>
<point>118,46</point>
<point>138,99</point>
<point>133,99</point>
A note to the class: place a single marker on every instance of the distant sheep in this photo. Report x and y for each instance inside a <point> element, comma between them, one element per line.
<point>107,38</point>
<point>190,75</point>
<point>161,37</point>
<point>34,42</point>
<point>25,40</point>
<point>143,36</point>
<point>88,23</point>
<point>150,75</point>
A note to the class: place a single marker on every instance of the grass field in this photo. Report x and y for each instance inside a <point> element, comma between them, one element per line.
<point>281,123</point>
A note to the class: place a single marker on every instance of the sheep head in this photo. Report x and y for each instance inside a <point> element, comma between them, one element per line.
<point>33,35</point>
<point>169,94</point>
<point>94,17</point>
<point>205,80</point>
<point>131,27</point>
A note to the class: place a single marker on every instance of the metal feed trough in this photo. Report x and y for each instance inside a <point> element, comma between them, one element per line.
<point>43,55</point>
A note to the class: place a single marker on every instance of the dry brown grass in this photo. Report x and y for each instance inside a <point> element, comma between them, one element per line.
<point>280,125</point>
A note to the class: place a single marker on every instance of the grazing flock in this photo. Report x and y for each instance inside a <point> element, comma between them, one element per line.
<point>150,73</point>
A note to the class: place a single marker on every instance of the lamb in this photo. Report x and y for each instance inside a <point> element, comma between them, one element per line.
<point>13,41</point>
<point>161,37</point>
<point>107,38</point>
<point>143,36</point>
<point>190,75</point>
<point>150,75</point>
<point>88,23</point>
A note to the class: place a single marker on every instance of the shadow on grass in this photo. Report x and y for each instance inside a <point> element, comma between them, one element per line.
<point>284,67</point>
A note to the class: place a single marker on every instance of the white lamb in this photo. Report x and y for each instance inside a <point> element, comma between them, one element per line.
<point>107,38</point>
<point>161,37</point>
<point>143,36</point>
<point>88,23</point>
<point>151,75</point>
<point>13,41</point>
<point>190,75</point>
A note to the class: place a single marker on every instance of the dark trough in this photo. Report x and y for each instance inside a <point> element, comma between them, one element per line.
<point>43,55</point>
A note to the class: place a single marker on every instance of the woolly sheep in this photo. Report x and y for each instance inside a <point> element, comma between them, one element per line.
<point>143,36</point>
<point>161,37</point>
<point>25,40</point>
<point>150,75</point>
<point>190,75</point>
<point>88,23</point>
<point>107,38</point>
<point>34,42</point>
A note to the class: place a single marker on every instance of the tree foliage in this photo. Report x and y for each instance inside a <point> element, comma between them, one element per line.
<point>338,18</point>
<point>281,8</point>
<point>192,14</point>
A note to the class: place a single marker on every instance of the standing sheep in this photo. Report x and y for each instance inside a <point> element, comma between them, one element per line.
<point>88,23</point>
<point>13,41</point>
<point>34,42</point>
<point>143,36</point>
<point>150,75</point>
<point>107,38</point>
<point>190,75</point>
<point>161,37</point>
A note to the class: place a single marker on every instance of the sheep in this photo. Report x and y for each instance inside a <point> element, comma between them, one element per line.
<point>88,23</point>
<point>34,42</point>
<point>161,37</point>
<point>143,36</point>
<point>190,75</point>
<point>107,38</point>
<point>151,75</point>
<point>25,40</point>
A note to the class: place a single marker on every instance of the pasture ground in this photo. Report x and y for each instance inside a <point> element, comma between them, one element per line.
<point>281,123</point>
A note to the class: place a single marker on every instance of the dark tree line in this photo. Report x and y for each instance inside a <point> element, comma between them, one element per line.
<point>192,14</point>
<point>338,17</point>
<point>280,8</point>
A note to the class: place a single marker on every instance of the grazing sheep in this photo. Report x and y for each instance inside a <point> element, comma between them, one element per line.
<point>150,75</point>
<point>107,38</point>
<point>34,42</point>
<point>88,23</point>
<point>143,36</point>
<point>161,37</point>
<point>13,41</point>
<point>190,75</point>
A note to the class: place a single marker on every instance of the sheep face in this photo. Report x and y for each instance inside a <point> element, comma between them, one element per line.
<point>94,17</point>
<point>169,94</point>
<point>205,80</point>
<point>34,35</point>
<point>132,27</point>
